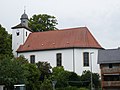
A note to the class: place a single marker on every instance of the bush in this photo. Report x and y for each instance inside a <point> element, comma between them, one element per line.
<point>68,88</point>
<point>61,76</point>
<point>86,78</point>
<point>83,89</point>
<point>72,88</point>
<point>74,80</point>
<point>46,85</point>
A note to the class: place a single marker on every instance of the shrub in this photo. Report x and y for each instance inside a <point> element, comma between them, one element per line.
<point>83,89</point>
<point>46,85</point>
<point>86,78</point>
<point>68,88</point>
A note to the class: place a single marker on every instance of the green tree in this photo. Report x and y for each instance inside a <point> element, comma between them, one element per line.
<point>19,71</point>
<point>44,68</point>
<point>42,22</point>
<point>46,85</point>
<point>86,78</point>
<point>61,76</point>
<point>32,75</point>
<point>74,79</point>
<point>11,72</point>
<point>21,60</point>
<point>5,44</point>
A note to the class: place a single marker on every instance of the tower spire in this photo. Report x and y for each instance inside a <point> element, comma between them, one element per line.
<point>24,9</point>
<point>24,18</point>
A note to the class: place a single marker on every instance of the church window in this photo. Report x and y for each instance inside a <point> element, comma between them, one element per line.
<point>86,59</point>
<point>23,21</point>
<point>26,33</point>
<point>18,33</point>
<point>32,59</point>
<point>59,59</point>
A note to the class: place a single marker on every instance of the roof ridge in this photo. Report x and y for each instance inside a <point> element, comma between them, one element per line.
<point>73,28</point>
<point>61,30</point>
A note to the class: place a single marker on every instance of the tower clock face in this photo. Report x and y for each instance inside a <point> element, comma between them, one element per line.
<point>18,32</point>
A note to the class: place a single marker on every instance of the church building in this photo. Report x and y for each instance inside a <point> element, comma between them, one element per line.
<point>75,48</point>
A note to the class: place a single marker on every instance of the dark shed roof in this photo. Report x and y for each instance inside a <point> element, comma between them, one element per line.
<point>109,56</point>
<point>21,26</point>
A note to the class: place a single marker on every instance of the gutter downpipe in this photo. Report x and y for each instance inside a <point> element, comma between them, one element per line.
<point>73,60</point>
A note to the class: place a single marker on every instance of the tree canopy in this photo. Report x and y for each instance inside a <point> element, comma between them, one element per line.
<point>44,68</point>
<point>11,72</point>
<point>86,76</point>
<point>19,71</point>
<point>5,43</point>
<point>61,76</point>
<point>42,22</point>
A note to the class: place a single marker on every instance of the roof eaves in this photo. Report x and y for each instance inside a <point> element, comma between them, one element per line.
<point>19,51</point>
<point>20,26</point>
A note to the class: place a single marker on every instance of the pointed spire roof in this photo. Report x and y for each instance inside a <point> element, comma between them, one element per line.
<point>24,16</point>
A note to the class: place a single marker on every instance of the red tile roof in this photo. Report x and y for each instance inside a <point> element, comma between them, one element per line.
<point>66,38</point>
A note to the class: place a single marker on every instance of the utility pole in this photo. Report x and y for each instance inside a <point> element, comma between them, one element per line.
<point>54,83</point>
<point>91,69</point>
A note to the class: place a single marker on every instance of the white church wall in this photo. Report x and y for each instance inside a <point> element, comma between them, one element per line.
<point>26,34</point>
<point>18,40</point>
<point>79,60</point>
<point>67,58</point>
<point>50,57</point>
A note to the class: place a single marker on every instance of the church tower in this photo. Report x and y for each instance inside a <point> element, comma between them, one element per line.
<point>24,19</point>
<point>20,33</point>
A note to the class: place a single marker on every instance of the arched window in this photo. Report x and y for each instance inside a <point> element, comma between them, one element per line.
<point>59,59</point>
<point>18,32</point>
<point>32,59</point>
<point>85,59</point>
<point>26,33</point>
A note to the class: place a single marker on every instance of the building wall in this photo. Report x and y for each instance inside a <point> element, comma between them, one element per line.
<point>72,59</point>
<point>111,89</point>
<point>110,76</point>
<point>50,57</point>
<point>79,60</point>
<point>18,40</point>
<point>114,65</point>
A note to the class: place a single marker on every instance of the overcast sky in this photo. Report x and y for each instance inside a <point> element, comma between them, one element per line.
<point>102,17</point>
